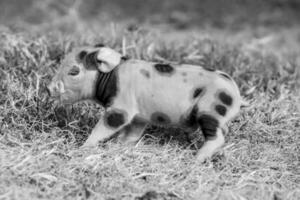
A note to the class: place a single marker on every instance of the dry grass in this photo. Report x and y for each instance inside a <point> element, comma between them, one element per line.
<point>39,153</point>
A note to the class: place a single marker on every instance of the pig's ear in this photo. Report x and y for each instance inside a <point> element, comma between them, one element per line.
<point>107,59</point>
<point>81,56</point>
<point>90,60</point>
<point>99,45</point>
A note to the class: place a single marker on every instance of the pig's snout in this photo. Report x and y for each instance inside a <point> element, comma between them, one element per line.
<point>55,88</point>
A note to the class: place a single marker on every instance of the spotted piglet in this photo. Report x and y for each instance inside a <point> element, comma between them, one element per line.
<point>136,92</point>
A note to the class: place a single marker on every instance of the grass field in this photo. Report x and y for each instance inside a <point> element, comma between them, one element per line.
<point>40,156</point>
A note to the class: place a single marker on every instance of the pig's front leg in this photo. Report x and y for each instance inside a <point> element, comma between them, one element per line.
<point>112,121</point>
<point>132,132</point>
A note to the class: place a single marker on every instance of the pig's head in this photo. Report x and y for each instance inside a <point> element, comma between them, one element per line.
<point>76,78</point>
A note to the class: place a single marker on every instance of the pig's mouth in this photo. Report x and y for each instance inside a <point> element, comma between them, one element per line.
<point>66,98</point>
<point>55,100</point>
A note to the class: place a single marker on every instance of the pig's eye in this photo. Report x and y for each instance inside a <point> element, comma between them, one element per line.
<point>74,71</point>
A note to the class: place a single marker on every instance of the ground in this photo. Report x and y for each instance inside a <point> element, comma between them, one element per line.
<point>40,154</point>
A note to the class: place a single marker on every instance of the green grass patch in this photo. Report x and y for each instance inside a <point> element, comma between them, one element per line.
<point>40,156</point>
